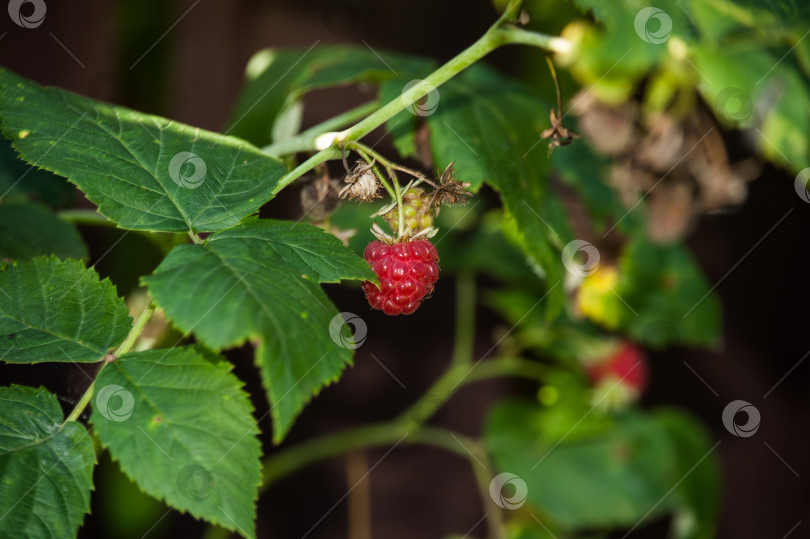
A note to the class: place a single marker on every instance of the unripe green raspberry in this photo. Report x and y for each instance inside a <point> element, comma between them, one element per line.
<point>415,216</point>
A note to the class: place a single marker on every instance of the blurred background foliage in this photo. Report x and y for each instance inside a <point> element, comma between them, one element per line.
<point>676,116</point>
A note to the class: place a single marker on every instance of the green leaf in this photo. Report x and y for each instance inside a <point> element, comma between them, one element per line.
<point>619,467</point>
<point>482,249</point>
<point>29,230</point>
<point>58,310</point>
<point>307,249</point>
<point>527,529</point>
<point>751,87</point>
<point>698,494</point>
<point>144,172</point>
<point>488,125</point>
<point>46,467</point>
<point>258,282</point>
<point>21,181</point>
<point>661,297</point>
<point>726,21</point>
<point>580,167</point>
<point>633,468</point>
<point>276,78</point>
<point>182,428</point>
<point>628,45</point>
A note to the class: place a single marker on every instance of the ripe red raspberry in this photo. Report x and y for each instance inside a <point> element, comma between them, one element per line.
<point>406,272</point>
<point>628,364</point>
<point>619,378</point>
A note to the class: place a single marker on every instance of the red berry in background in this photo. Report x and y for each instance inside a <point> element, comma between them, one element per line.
<point>406,272</point>
<point>627,363</point>
<point>619,378</point>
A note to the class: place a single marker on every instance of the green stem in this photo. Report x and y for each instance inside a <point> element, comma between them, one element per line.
<point>390,166</point>
<point>460,364</point>
<point>497,36</point>
<point>289,460</point>
<point>307,140</point>
<point>518,36</point>
<point>390,169</point>
<point>369,153</point>
<point>508,367</point>
<point>343,119</point>
<point>494,38</point>
<point>135,332</point>
<point>463,373</point>
<point>369,156</point>
<point>84,401</point>
<point>123,348</point>
<point>483,476</point>
<point>400,211</point>
<point>320,157</point>
<point>465,319</point>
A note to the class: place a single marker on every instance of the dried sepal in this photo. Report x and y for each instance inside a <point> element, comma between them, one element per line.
<point>385,209</point>
<point>381,235</point>
<point>449,192</point>
<point>559,134</point>
<point>425,233</point>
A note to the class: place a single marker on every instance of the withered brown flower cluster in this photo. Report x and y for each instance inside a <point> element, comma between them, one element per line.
<point>320,196</point>
<point>679,165</point>
<point>558,133</point>
<point>361,183</point>
<point>448,192</point>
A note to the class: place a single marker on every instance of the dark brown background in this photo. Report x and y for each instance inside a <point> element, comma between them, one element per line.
<point>193,75</point>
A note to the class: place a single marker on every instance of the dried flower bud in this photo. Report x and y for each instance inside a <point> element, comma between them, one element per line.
<point>361,184</point>
<point>319,198</point>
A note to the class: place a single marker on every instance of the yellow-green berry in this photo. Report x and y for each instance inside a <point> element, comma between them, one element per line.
<point>414,212</point>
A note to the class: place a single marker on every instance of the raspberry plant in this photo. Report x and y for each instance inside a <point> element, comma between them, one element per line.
<point>229,278</point>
